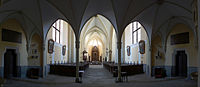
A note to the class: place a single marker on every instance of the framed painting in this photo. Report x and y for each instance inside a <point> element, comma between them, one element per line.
<point>63,50</point>
<point>128,50</point>
<point>50,46</point>
<point>142,46</point>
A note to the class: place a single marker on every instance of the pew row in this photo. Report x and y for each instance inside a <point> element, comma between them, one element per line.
<point>67,69</point>
<point>130,69</point>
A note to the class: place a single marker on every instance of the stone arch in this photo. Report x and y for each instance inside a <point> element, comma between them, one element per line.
<point>170,27</point>
<point>56,21</point>
<point>148,35</point>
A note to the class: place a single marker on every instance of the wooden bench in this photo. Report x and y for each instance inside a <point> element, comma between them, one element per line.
<point>129,69</point>
<point>194,75</point>
<point>66,69</point>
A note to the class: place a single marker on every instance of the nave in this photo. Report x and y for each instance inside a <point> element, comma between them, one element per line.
<point>50,43</point>
<point>97,76</point>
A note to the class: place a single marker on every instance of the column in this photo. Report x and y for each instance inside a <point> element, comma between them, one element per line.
<point>198,30</point>
<point>44,73</point>
<point>150,61</point>
<point>69,46</point>
<point>77,61</point>
<point>119,43</point>
<point>1,2</point>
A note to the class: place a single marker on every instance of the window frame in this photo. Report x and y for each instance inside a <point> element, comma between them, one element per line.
<point>135,30</point>
<point>55,25</point>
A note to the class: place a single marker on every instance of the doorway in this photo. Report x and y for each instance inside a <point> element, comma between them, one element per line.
<point>95,54</point>
<point>181,64</point>
<point>10,63</point>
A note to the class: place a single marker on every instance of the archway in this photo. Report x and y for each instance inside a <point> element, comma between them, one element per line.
<point>135,45</point>
<point>99,32</point>
<point>62,49</point>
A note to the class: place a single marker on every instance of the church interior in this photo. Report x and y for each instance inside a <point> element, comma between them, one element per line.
<point>99,43</point>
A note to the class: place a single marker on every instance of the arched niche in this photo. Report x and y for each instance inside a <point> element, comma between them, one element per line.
<point>187,44</point>
<point>14,38</point>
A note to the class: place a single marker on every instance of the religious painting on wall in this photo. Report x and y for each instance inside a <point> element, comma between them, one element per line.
<point>128,50</point>
<point>142,46</point>
<point>34,51</point>
<point>180,38</point>
<point>63,50</point>
<point>50,46</point>
<point>16,36</point>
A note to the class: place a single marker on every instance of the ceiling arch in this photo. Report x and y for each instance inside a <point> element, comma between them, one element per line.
<point>151,13</point>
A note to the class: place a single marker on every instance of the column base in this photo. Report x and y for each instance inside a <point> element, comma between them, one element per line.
<point>78,80</point>
<point>119,80</point>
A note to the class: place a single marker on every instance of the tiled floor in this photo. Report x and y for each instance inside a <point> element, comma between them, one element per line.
<point>97,76</point>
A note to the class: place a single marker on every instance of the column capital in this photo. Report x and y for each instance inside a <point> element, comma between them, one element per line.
<point>28,45</point>
<point>77,42</point>
<point>43,46</point>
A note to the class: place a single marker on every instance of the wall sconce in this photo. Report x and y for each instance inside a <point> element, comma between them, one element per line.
<point>158,56</point>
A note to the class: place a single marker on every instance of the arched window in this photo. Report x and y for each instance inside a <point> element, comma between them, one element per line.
<point>136,32</point>
<point>57,28</point>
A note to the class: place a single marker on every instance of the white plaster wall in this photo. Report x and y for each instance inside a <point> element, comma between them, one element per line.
<point>128,42</point>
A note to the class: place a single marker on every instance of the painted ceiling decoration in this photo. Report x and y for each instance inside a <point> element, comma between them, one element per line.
<point>154,15</point>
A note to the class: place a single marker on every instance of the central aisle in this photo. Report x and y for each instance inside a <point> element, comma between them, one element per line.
<point>98,76</point>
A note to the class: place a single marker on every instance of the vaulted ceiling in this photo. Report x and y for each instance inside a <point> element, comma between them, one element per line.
<point>154,15</point>
<point>96,28</point>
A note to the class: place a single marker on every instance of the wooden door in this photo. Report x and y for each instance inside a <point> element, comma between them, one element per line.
<point>10,64</point>
<point>181,64</point>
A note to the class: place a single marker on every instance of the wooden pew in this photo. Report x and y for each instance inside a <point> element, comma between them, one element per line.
<point>130,69</point>
<point>67,69</point>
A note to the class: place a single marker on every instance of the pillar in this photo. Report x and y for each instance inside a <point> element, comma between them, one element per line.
<point>44,73</point>
<point>198,30</point>
<point>77,61</point>
<point>149,72</point>
<point>119,43</point>
<point>1,2</point>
